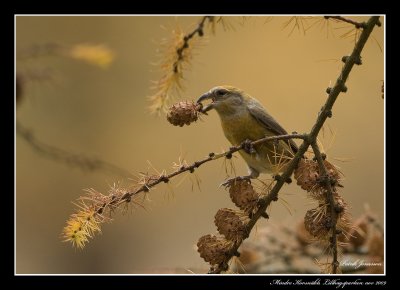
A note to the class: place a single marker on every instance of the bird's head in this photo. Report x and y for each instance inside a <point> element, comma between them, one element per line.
<point>224,99</point>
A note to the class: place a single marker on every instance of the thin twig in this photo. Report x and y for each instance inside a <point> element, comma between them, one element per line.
<point>191,168</point>
<point>177,58</point>
<point>280,137</point>
<point>186,39</point>
<point>331,201</point>
<point>348,20</point>
<point>36,50</point>
<point>61,155</point>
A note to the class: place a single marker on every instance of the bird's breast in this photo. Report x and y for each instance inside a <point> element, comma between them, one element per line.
<point>239,127</point>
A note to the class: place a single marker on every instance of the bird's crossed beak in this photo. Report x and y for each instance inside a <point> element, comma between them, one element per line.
<point>210,106</point>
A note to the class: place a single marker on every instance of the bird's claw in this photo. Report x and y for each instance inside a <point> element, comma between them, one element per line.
<point>237,178</point>
<point>248,147</point>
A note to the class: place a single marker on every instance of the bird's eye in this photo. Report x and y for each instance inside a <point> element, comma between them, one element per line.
<point>221,93</point>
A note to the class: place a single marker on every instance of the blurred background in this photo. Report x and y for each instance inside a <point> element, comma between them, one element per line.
<point>102,112</point>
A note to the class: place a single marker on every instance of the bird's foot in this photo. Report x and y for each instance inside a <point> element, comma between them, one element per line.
<point>237,178</point>
<point>278,177</point>
<point>248,147</point>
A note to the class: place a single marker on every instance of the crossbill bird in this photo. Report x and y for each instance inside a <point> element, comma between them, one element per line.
<point>243,118</point>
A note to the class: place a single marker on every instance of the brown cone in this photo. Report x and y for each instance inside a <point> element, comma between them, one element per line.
<point>214,249</point>
<point>182,113</point>
<point>307,175</point>
<point>231,223</point>
<point>317,222</point>
<point>243,195</point>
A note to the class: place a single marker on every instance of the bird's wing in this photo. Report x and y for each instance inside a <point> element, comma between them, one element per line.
<point>259,113</point>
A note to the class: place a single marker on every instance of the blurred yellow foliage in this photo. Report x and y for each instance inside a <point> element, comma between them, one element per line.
<point>99,55</point>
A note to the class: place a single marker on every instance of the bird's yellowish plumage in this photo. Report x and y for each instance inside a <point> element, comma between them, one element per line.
<point>244,118</point>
